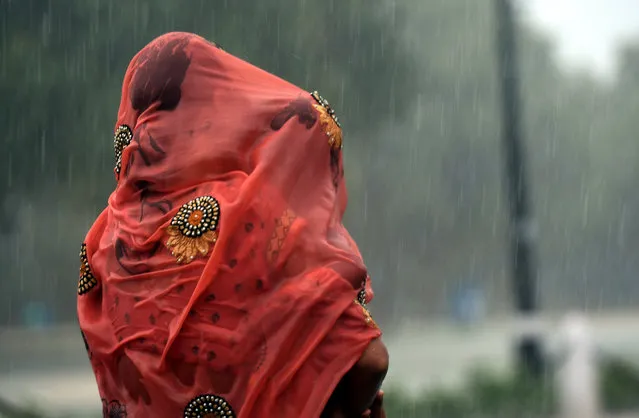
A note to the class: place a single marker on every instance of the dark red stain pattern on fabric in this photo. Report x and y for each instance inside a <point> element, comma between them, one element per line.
<point>185,367</point>
<point>160,71</point>
<point>131,377</point>
<point>183,370</point>
<point>149,148</point>
<point>299,107</point>
<point>133,260</point>
<point>147,152</point>
<point>146,193</point>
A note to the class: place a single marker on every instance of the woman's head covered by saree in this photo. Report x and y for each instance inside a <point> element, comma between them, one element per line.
<point>220,279</point>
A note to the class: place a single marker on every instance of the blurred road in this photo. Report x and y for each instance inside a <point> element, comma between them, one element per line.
<point>50,367</point>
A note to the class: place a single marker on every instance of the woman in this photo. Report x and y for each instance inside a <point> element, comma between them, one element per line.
<point>220,281</point>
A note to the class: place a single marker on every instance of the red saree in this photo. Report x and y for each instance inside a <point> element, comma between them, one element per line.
<point>220,281</point>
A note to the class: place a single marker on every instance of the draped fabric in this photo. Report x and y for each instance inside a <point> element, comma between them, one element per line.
<point>220,281</point>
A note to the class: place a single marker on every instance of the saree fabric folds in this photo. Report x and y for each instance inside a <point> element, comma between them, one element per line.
<point>220,281</point>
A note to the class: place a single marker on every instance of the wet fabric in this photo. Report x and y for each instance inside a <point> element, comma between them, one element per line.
<point>220,281</point>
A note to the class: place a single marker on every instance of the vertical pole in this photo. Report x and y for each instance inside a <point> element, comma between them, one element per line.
<point>529,350</point>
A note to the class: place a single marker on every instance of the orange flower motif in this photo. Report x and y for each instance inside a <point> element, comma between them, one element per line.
<point>328,121</point>
<point>194,229</point>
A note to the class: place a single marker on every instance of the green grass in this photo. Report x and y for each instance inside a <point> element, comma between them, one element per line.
<point>485,396</point>
<point>515,396</point>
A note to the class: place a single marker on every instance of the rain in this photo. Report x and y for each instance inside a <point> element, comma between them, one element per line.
<point>490,154</point>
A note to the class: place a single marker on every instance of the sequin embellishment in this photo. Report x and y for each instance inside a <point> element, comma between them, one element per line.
<point>361,297</point>
<point>194,229</point>
<point>87,279</point>
<point>361,301</point>
<point>209,406</point>
<point>122,138</point>
<point>328,121</point>
<point>368,318</point>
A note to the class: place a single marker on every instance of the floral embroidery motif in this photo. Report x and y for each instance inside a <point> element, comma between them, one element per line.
<point>194,229</point>
<point>113,409</point>
<point>87,279</point>
<point>122,138</point>
<point>282,226</point>
<point>209,406</point>
<point>329,121</point>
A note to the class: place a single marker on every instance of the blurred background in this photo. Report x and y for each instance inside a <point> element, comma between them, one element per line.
<point>416,84</point>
